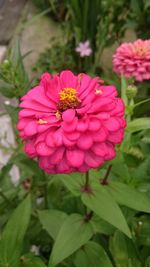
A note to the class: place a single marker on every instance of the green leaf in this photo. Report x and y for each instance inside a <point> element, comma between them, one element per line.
<point>92,255</point>
<point>13,234</point>
<point>6,89</point>
<point>101,226</point>
<point>123,251</point>
<point>31,261</point>
<point>73,234</point>
<point>129,197</point>
<point>73,182</point>
<point>138,125</point>
<point>104,205</point>
<point>142,170</point>
<point>52,221</point>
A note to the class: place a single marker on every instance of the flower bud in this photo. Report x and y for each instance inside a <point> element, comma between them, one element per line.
<point>131,91</point>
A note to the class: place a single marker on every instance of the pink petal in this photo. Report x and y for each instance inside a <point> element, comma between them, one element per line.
<point>94,124</point>
<point>68,79</point>
<point>116,137</point>
<point>30,128</point>
<point>93,160</point>
<point>68,115</point>
<point>112,124</point>
<point>58,138</point>
<point>83,82</point>
<point>100,135</point>
<point>109,90</point>
<point>111,152</point>
<point>64,166</point>
<point>22,123</point>
<point>57,156</point>
<point>44,150</point>
<point>75,157</point>
<point>67,142</point>
<point>30,149</point>
<point>82,125</point>
<point>73,136</point>
<point>85,141</point>
<point>69,127</point>
<point>100,149</point>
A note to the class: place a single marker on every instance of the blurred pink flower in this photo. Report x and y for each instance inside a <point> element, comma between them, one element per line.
<point>71,123</point>
<point>84,49</point>
<point>133,60</point>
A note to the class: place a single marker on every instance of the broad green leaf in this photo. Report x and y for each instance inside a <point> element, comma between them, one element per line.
<point>141,170</point>
<point>120,169</point>
<point>73,234</point>
<point>104,205</point>
<point>101,226</point>
<point>73,182</point>
<point>31,261</point>
<point>138,125</point>
<point>123,251</point>
<point>92,255</point>
<point>52,221</point>
<point>13,234</point>
<point>129,197</point>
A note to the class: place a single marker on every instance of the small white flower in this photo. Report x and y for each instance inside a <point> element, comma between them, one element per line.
<point>84,49</point>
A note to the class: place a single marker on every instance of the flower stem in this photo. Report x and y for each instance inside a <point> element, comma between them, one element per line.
<point>45,188</point>
<point>141,102</point>
<point>86,181</point>
<point>86,186</point>
<point>105,179</point>
<point>88,216</point>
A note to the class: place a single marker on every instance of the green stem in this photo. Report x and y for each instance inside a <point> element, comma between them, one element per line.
<point>45,187</point>
<point>123,90</point>
<point>87,180</point>
<point>141,102</point>
<point>4,197</point>
<point>104,180</point>
<point>131,104</point>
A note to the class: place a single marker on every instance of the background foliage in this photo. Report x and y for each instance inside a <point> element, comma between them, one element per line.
<point>51,220</point>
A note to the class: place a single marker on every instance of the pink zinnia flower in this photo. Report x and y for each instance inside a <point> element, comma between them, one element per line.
<point>71,123</point>
<point>133,60</point>
<point>84,49</point>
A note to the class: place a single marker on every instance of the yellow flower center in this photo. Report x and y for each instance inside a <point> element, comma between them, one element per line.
<point>68,99</point>
<point>68,94</point>
<point>141,51</point>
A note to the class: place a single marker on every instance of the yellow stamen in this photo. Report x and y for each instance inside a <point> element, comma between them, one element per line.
<point>40,121</point>
<point>58,115</point>
<point>68,94</point>
<point>98,92</point>
<point>68,99</point>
